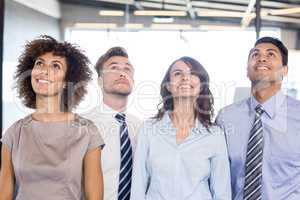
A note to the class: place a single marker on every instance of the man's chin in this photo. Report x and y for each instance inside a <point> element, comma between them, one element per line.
<point>121,93</point>
<point>264,83</point>
<point>260,85</point>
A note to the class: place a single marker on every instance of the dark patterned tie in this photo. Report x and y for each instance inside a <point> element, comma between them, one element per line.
<point>254,158</point>
<point>126,160</point>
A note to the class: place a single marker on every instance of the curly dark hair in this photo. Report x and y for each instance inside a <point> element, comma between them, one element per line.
<point>77,75</point>
<point>204,104</point>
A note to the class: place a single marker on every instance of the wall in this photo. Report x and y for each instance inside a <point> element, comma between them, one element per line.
<point>290,38</point>
<point>21,24</point>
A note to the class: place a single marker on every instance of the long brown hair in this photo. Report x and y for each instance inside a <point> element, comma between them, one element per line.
<point>204,103</point>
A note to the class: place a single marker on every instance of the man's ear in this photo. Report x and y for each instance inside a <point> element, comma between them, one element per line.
<point>247,68</point>
<point>285,70</point>
<point>100,81</point>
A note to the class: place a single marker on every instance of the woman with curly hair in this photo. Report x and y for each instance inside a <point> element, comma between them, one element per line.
<point>52,153</point>
<point>180,153</point>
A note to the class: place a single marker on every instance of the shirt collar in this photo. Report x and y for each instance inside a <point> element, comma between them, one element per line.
<point>108,110</point>
<point>271,106</point>
<point>167,124</point>
<point>77,122</point>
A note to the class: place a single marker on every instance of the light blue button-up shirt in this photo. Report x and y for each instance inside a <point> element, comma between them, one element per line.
<point>195,169</point>
<point>281,154</point>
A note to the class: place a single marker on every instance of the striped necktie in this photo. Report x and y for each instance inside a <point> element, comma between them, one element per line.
<point>254,158</point>
<point>126,160</point>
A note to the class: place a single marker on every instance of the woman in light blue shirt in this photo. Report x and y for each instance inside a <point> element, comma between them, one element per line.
<point>181,154</point>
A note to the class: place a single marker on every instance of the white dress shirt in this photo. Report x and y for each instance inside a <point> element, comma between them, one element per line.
<point>104,118</point>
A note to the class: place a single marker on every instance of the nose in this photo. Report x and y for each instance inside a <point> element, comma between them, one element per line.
<point>262,58</point>
<point>186,76</point>
<point>44,70</point>
<point>122,74</point>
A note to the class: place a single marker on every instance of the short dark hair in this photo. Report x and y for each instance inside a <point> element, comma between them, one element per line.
<point>204,109</point>
<point>114,51</point>
<point>78,71</point>
<point>282,48</point>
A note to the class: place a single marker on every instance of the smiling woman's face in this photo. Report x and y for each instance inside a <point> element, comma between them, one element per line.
<point>183,81</point>
<point>48,74</point>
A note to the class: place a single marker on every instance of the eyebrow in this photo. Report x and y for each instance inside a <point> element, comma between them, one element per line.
<point>52,61</point>
<point>116,63</point>
<point>180,70</point>
<point>257,50</point>
<point>174,70</point>
<point>40,59</point>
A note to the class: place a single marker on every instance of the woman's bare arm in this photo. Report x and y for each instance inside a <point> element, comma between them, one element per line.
<point>6,175</point>
<point>93,178</point>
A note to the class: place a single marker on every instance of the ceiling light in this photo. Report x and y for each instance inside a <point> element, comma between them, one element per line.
<point>129,2</point>
<point>285,11</point>
<point>159,13</point>
<point>111,13</point>
<point>163,20</point>
<point>212,13</point>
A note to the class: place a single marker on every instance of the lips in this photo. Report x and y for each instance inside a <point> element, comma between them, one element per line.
<point>122,81</point>
<point>185,86</point>
<point>43,81</point>
<point>262,67</point>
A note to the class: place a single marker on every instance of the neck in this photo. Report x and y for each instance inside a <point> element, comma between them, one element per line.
<point>116,102</point>
<point>184,109</point>
<point>48,109</point>
<point>47,104</point>
<point>262,94</point>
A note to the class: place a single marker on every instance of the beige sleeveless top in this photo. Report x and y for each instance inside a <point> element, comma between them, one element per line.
<point>48,157</point>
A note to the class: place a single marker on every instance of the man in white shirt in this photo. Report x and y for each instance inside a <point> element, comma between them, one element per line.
<point>115,78</point>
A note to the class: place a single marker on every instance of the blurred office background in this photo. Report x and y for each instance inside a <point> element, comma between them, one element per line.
<point>218,33</point>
